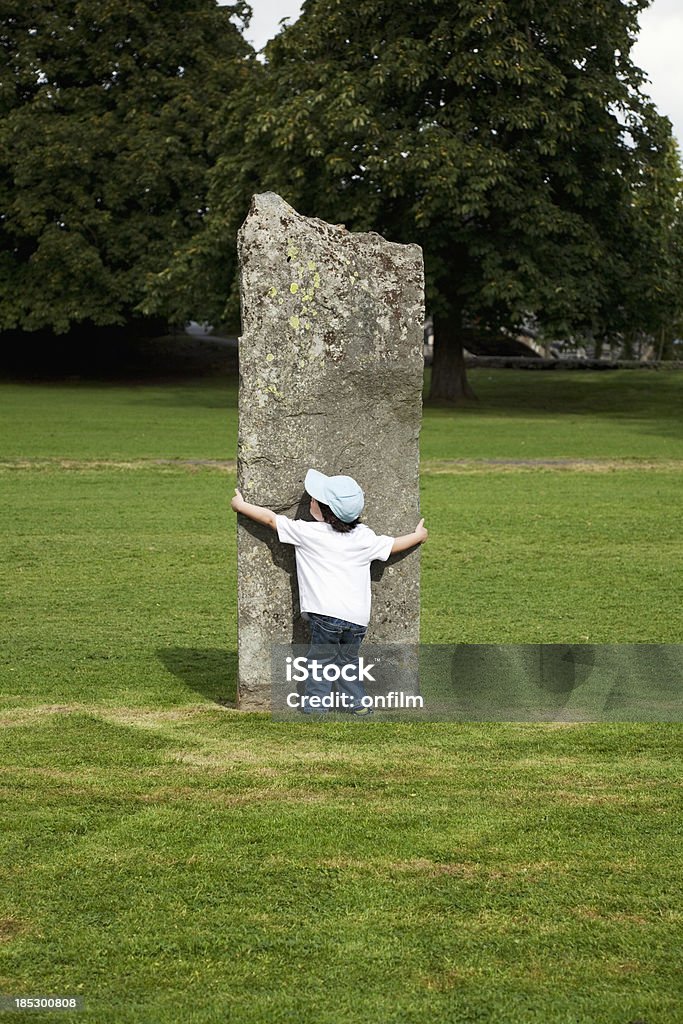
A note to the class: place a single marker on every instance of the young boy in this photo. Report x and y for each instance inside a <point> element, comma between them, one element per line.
<point>333,556</point>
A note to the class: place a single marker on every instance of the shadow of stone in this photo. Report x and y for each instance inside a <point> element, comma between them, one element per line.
<point>210,672</point>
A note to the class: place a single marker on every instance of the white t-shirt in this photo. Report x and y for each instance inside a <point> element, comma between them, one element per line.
<point>334,568</point>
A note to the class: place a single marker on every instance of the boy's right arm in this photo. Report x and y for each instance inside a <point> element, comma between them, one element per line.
<point>256,512</point>
<point>418,536</point>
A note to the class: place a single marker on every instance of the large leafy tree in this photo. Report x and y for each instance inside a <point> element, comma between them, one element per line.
<point>650,299</point>
<point>105,112</point>
<point>507,137</point>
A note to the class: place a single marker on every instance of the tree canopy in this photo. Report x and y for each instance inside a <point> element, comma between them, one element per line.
<point>106,107</point>
<point>510,138</point>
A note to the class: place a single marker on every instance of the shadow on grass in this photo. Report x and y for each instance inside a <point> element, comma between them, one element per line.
<point>114,358</point>
<point>216,392</point>
<point>210,672</point>
<point>623,394</point>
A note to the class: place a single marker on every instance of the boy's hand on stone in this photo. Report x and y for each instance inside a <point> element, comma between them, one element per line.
<point>238,501</point>
<point>421,533</point>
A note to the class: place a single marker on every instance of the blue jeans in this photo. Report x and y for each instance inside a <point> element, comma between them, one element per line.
<point>335,642</point>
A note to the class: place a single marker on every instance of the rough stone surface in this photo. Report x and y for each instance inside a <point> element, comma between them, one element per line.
<point>331,359</point>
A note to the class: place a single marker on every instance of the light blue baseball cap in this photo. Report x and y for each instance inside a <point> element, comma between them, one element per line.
<point>341,493</point>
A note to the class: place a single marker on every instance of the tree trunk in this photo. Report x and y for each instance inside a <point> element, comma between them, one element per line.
<point>668,351</point>
<point>449,376</point>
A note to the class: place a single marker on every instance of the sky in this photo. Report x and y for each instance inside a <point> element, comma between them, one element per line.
<point>657,51</point>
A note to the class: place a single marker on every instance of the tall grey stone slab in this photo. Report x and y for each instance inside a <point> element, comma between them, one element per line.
<point>331,363</point>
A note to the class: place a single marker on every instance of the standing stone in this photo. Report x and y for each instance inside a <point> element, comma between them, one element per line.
<point>331,362</point>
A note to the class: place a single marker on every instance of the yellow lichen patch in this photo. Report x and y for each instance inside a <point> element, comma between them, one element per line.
<point>273,292</point>
<point>270,357</point>
<point>316,280</point>
<point>311,265</point>
<point>294,287</point>
<point>294,321</point>
<point>292,250</point>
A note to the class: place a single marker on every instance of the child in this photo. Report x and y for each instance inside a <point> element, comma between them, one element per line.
<point>333,556</point>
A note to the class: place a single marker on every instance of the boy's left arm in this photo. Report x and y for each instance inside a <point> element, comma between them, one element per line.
<point>418,536</point>
<point>256,512</point>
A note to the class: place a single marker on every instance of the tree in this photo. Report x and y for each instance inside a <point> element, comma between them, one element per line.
<point>106,107</point>
<point>651,294</point>
<point>506,137</point>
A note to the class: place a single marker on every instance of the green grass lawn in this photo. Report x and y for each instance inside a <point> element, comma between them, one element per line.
<point>171,859</point>
<point>520,415</point>
<point>540,415</point>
